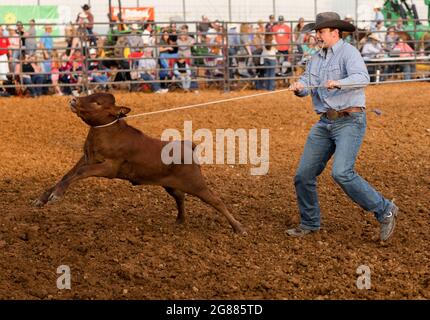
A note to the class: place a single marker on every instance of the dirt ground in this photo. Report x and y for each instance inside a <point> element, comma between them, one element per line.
<point>121,241</point>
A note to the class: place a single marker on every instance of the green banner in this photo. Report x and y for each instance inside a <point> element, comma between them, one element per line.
<point>42,14</point>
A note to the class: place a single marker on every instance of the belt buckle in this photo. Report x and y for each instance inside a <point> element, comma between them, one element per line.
<point>332,114</point>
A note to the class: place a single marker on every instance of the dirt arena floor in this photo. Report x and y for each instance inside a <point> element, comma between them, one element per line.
<point>121,241</point>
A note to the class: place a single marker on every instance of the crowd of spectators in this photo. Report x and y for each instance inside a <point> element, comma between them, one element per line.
<point>163,58</point>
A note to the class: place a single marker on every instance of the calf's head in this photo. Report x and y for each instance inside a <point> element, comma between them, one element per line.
<point>97,109</point>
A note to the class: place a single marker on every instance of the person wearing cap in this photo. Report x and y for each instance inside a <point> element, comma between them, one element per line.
<point>182,72</point>
<point>379,16</point>
<point>271,23</point>
<point>283,38</point>
<point>97,71</point>
<point>335,77</point>
<point>373,49</point>
<point>87,19</point>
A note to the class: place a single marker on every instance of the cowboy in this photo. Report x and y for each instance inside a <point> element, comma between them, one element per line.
<point>329,78</point>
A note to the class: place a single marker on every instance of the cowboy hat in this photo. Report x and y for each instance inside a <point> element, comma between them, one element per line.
<point>86,7</point>
<point>373,36</point>
<point>329,20</point>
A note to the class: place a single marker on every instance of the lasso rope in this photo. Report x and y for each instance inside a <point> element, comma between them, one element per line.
<point>198,105</point>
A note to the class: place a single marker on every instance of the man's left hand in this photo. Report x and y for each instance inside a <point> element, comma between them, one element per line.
<point>332,84</point>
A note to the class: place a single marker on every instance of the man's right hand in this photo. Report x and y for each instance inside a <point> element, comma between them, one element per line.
<point>296,87</point>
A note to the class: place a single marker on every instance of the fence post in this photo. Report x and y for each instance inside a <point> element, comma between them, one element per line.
<point>226,58</point>
<point>21,56</point>
<point>85,64</point>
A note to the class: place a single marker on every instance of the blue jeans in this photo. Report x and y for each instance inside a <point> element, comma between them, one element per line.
<point>155,86</point>
<point>269,72</point>
<point>342,138</point>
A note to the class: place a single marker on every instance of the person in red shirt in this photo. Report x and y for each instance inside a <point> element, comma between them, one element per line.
<point>282,34</point>
<point>4,61</point>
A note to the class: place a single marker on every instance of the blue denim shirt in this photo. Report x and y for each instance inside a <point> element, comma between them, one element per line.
<point>343,63</point>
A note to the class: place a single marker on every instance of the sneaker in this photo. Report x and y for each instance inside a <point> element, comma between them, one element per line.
<point>299,232</point>
<point>389,223</point>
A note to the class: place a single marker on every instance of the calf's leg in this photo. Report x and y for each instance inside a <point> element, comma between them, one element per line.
<point>44,198</point>
<point>179,197</point>
<point>192,182</point>
<point>104,169</point>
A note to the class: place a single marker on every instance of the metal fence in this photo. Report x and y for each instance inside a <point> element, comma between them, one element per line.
<point>228,57</point>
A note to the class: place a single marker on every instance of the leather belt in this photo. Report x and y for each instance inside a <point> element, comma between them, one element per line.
<point>332,114</point>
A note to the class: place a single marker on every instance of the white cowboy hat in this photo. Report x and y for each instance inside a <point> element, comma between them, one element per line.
<point>134,26</point>
<point>373,36</point>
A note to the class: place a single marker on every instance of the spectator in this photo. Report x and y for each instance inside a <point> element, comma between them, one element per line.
<point>269,59</point>
<point>55,69</point>
<point>167,53</point>
<point>380,31</point>
<point>348,18</point>
<point>97,71</point>
<point>173,36</point>
<point>182,72</point>
<point>147,69</point>
<point>372,49</point>
<point>147,39</point>
<point>377,17</point>
<point>4,61</point>
<point>391,38</point>
<point>46,40</point>
<point>399,24</point>
<point>204,25</point>
<point>31,75</point>
<point>65,73</point>
<point>22,34</point>
<point>31,41</point>
<point>403,50</point>
<point>244,52</point>
<point>185,43</point>
<point>86,20</point>
<point>234,44</point>
<point>299,35</point>
<point>14,54</point>
<point>134,40</point>
<point>283,39</point>
<point>258,43</point>
<point>135,44</point>
<point>271,23</point>
<point>309,49</point>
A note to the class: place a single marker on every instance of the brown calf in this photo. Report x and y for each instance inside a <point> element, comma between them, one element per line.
<point>121,151</point>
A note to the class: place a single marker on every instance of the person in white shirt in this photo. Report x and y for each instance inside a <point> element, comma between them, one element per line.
<point>373,49</point>
<point>379,16</point>
<point>147,68</point>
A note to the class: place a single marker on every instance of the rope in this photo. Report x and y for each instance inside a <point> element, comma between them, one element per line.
<point>253,96</point>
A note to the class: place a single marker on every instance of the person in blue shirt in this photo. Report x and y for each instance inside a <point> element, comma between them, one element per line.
<point>335,77</point>
<point>46,40</point>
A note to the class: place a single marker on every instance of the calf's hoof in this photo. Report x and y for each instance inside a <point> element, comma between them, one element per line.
<point>53,198</point>
<point>38,203</point>
<point>180,221</point>
<point>239,229</point>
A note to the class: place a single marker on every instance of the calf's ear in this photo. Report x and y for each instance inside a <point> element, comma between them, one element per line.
<point>122,111</point>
